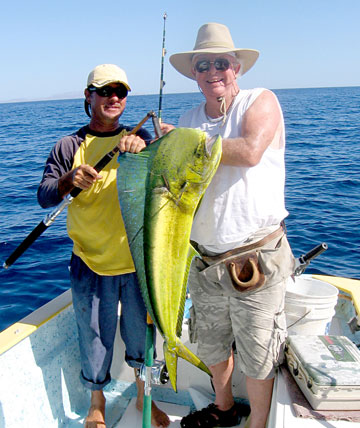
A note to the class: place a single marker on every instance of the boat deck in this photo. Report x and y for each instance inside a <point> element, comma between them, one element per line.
<point>40,366</point>
<point>40,385</point>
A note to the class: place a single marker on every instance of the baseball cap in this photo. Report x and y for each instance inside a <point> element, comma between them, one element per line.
<point>104,74</point>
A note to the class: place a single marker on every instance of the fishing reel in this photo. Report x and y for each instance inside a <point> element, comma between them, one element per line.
<point>159,373</point>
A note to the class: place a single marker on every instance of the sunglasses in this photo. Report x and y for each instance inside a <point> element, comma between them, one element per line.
<point>107,91</point>
<point>221,64</point>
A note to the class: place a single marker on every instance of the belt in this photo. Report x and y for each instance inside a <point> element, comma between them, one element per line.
<point>244,248</point>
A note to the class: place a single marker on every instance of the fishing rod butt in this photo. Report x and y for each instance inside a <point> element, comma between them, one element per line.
<point>156,123</point>
<point>31,238</point>
<point>319,249</point>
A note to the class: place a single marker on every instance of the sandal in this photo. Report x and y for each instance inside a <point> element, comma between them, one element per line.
<point>211,417</point>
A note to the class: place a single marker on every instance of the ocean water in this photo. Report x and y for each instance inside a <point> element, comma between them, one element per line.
<point>322,185</point>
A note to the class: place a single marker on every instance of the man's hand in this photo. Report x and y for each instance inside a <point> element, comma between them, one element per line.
<point>84,176</point>
<point>131,143</point>
<point>166,127</point>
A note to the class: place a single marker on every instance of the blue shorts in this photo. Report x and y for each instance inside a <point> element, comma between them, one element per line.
<point>95,301</point>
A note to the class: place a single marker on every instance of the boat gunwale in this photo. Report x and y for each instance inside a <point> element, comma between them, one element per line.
<point>22,329</point>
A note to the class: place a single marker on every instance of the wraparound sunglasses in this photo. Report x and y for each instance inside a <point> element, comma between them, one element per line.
<point>203,65</point>
<point>107,91</point>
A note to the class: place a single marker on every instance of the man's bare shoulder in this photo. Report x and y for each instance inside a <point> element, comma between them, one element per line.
<point>265,104</point>
<point>267,97</point>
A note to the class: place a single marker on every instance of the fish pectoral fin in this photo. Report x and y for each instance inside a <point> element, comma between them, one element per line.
<point>177,197</point>
<point>183,189</point>
<point>167,185</point>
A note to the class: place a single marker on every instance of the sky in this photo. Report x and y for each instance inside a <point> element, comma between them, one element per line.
<point>48,47</point>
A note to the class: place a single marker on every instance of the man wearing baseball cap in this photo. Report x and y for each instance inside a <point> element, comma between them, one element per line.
<point>101,268</point>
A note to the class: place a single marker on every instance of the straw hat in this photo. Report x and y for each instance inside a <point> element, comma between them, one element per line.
<point>213,38</point>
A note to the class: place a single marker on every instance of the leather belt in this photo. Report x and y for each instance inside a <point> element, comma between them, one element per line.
<point>245,248</point>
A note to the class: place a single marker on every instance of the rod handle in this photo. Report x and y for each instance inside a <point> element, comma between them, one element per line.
<point>39,229</point>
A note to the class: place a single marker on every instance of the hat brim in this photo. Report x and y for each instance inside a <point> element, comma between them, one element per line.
<point>108,82</point>
<point>182,61</point>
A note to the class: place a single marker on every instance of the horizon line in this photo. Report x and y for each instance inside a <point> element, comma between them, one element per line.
<point>55,97</point>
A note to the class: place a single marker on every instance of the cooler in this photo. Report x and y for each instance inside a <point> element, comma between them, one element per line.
<point>326,369</point>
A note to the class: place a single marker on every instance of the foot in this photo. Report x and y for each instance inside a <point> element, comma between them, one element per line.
<point>159,419</point>
<point>96,414</point>
<point>212,416</point>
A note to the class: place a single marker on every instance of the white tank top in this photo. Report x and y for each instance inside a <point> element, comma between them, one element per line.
<point>239,200</point>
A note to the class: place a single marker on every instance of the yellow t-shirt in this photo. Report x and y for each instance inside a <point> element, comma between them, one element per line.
<point>94,218</point>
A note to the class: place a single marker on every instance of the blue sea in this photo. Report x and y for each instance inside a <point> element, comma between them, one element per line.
<point>322,184</point>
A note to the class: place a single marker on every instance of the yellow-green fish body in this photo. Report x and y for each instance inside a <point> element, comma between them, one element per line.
<point>175,172</point>
<point>181,170</point>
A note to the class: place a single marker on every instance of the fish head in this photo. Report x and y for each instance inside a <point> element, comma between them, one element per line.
<point>188,155</point>
<point>206,158</point>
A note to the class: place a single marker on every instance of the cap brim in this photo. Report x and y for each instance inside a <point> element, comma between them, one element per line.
<point>108,82</point>
<point>182,61</point>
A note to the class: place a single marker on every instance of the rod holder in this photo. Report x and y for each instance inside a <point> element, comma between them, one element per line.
<point>304,260</point>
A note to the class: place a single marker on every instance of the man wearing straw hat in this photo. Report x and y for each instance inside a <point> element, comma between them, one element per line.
<point>102,271</point>
<point>238,284</point>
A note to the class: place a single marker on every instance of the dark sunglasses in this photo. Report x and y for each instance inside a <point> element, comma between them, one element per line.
<point>107,91</point>
<point>221,64</point>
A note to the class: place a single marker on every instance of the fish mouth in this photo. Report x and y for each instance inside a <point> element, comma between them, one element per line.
<point>209,143</point>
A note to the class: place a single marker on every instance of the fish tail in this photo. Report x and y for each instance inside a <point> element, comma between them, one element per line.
<point>186,354</point>
<point>180,350</point>
<point>171,366</point>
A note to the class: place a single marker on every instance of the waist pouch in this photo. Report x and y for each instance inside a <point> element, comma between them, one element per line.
<point>237,272</point>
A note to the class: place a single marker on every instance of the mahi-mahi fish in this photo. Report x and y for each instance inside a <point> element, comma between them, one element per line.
<point>159,190</point>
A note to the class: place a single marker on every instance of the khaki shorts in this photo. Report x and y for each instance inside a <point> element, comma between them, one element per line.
<point>254,319</point>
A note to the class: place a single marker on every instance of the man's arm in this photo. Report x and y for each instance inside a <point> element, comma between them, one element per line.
<point>261,128</point>
<point>59,178</point>
<point>84,176</point>
<point>58,164</point>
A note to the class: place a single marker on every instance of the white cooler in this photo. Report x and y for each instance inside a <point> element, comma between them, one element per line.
<point>326,369</point>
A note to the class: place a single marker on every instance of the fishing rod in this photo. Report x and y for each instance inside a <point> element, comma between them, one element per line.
<point>50,218</point>
<point>151,372</point>
<point>147,370</point>
<point>149,361</point>
<point>162,82</point>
